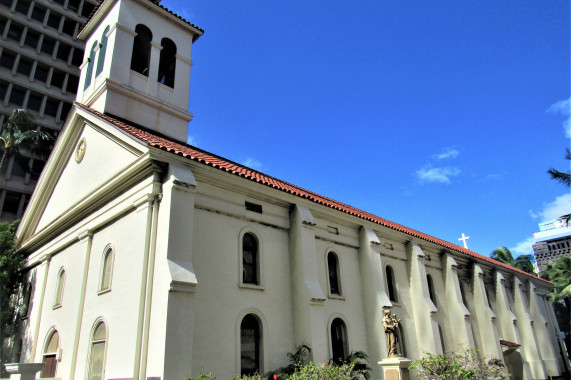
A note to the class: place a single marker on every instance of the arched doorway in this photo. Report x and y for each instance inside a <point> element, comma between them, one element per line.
<point>514,362</point>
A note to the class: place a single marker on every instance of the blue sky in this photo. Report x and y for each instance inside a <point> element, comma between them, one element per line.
<point>443,116</point>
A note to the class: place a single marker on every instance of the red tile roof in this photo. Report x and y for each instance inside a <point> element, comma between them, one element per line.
<point>154,139</point>
<point>152,1</point>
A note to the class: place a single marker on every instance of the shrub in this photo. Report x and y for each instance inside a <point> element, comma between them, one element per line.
<point>310,371</point>
<point>462,364</point>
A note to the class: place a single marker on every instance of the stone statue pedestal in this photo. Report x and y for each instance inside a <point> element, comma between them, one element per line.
<point>395,368</point>
<point>23,371</point>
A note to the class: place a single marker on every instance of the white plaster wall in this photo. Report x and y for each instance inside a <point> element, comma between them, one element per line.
<point>119,308</point>
<point>103,159</point>
<point>350,306</point>
<point>220,302</point>
<point>95,36</point>
<point>59,318</point>
<point>441,316</point>
<point>403,307</point>
<point>133,13</point>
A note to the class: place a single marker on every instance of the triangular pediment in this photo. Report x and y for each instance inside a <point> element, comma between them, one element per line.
<point>90,152</point>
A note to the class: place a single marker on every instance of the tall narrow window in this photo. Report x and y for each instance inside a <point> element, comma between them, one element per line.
<point>333,267</point>
<point>50,355</point>
<point>59,288</point>
<point>443,346</point>
<point>431,289</point>
<point>250,345</point>
<point>141,56</point>
<point>401,342</point>
<point>463,294</point>
<point>89,68</point>
<point>338,340</point>
<point>101,59</point>
<point>167,63</point>
<point>97,353</point>
<point>107,269</point>
<point>391,284</point>
<point>250,259</point>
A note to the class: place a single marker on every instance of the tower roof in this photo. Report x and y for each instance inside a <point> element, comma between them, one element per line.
<point>99,6</point>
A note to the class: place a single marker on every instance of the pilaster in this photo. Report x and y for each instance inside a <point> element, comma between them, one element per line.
<point>374,293</point>
<point>308,296</point>
<point>484,316</point>
<point>507,324</point>
<point>541,327</point>
<point>556,336</point>
<point>85,242</point>
<point>426,328</point>
<point>458,313</point>
<point>507,319</point>
<point>526,326</point>
<point>176,277</point>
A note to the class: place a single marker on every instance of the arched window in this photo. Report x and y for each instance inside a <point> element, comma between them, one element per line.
<point>50,355</point>
<point>101,59</point>
<point>167,63</point>
<point>250,259</point>
<point>107,269</point>
<point>339,347</point>
<point>59,288</point>
<point>141,56</point>
<point>333,267</point>
<point>90,62</point>
<point>391,284</point>
<point>431,289</point>
<point>97,352</point>
<point>250,345</point>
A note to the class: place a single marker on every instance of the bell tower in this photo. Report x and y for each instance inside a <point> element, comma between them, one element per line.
<point>137,64</point>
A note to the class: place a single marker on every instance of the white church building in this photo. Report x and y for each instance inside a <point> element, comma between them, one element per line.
<point>152,259</point>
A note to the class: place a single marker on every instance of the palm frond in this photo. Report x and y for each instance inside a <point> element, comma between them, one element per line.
<point>563,178</point>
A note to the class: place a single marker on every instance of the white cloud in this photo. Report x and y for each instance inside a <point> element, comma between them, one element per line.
<point>446,153</point>
<point>429,174</point>
<point>559,207</point>
<point>253,164</point>
<point>524,247</point>
<point>553,210</point>
<point>563,107</point>
<point>191,140</point>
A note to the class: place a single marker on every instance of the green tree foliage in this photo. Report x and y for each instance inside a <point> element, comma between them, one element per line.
<point>462,364</point>
<point>11,264</point>
<point>564,178</point>
<point>19,135</point>
<point>559,273</point>
<point>310,371</point>
<point>522,262</point>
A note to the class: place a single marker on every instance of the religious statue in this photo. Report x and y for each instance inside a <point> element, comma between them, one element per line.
<point>391,325</point>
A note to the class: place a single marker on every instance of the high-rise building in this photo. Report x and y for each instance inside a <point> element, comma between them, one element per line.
<point>39,71</point>
<point>552,241</point>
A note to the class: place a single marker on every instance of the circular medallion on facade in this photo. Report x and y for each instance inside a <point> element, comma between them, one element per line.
<point>80,150</point>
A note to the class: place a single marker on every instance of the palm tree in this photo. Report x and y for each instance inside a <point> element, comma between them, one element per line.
<point>19,134</point>
<point>564,178</point>
<point>300,354</point>
<point>559,273</point>
<point>522,262</point>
